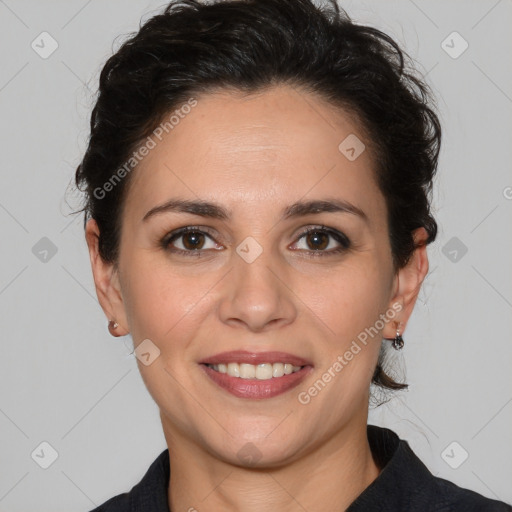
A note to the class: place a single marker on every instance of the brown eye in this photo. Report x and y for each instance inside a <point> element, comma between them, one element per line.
<point>189,241</point>
<point>319,239</point>
<point>193,240</point>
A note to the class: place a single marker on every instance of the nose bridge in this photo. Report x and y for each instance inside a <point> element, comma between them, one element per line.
<point>256,295</point>
<point>254,274</point>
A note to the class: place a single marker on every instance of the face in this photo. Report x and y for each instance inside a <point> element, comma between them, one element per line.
<point>248,276</point>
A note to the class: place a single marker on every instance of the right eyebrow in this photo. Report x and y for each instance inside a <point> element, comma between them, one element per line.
<point>200,208</point>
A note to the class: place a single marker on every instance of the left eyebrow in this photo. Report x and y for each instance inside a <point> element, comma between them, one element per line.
<point>297,209</point>
<point>303,208</point>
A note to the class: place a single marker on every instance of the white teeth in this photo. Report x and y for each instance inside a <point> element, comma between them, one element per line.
<point>247,371</point>
<point>262,371</point>
<point>277,370</point>
<point>233,370</point>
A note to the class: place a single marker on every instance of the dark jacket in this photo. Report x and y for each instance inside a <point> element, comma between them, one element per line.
<point>404,485</point>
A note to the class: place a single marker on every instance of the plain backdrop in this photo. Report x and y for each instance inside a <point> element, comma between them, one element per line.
<point>66,382</point>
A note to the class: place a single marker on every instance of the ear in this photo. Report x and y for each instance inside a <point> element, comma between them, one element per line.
<point>106,280</point>
<point>407,285</point>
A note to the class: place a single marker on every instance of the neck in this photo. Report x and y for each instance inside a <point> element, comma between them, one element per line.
<point>328,477</point>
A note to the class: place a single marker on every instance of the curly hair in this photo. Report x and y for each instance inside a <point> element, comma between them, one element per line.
<point>194,48</point>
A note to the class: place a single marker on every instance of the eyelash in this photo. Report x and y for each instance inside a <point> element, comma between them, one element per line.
<point>339,237</point>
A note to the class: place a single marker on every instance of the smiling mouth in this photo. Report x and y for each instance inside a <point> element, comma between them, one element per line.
<point>263,371</point>
<point>256,382</point>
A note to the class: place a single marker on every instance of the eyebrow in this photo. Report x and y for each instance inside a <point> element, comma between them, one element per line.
<point>216,211</point>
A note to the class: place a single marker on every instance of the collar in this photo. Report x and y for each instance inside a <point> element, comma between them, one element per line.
<point>404,481</point>
<point>404,484</point>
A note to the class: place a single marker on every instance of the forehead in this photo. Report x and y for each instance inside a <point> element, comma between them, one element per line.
<point>260,150</point>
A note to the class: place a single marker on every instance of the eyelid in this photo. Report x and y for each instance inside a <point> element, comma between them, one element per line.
<point>337,235</point>
<point>321,227</point>
<point>178,232</point>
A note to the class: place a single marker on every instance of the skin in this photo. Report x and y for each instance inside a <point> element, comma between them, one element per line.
<point>256,155</point>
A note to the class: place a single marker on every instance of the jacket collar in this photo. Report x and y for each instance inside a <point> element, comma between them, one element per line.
<point>404,481</point>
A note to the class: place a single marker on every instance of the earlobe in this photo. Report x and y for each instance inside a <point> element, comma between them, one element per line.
<point>106,282</point>
<point>410,278</point>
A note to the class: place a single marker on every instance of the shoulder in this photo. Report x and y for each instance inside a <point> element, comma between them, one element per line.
<point>450,497</point>
<point>120,503</point>
<point>405,483</point>
<point>149,494</point>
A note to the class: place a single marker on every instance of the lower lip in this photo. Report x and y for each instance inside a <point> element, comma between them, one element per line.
<point>256,388</point>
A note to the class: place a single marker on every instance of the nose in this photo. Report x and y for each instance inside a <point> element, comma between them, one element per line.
<point>257,296</point>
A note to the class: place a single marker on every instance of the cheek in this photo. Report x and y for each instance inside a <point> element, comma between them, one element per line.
<point>158,300</point>
<point>349,304</point>
<point>350,299</point>
<point>349,309</point>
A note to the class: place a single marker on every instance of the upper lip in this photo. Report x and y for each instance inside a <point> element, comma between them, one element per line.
<point>243,356</point>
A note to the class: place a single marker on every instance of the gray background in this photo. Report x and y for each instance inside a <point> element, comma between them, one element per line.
<point>66,381</point>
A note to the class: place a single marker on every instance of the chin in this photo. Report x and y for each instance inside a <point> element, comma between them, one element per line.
<point>259,452</point>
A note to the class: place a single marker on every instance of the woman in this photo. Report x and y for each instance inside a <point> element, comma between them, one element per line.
<point>257,215</point>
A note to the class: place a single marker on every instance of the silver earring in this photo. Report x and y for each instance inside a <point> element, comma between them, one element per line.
<point>398,341</point>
